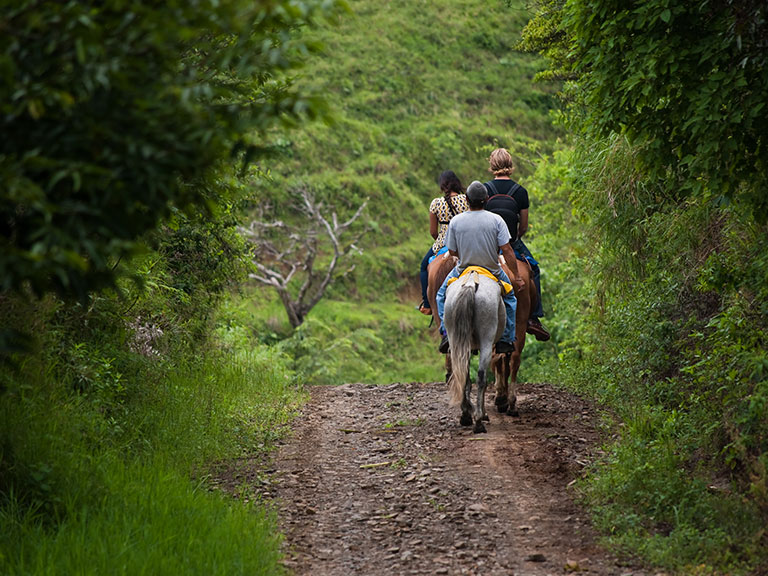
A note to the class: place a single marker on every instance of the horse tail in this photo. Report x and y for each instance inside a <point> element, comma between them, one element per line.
<point>463,321</point>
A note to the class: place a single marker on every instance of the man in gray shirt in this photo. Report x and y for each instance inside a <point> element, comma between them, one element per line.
<point>476,237</point>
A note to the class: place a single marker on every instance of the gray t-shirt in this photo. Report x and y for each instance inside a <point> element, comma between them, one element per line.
<point>477,236</point>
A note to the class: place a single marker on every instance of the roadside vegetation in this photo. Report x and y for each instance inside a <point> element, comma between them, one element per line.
<point>667,180</point>
<point>124,378</point>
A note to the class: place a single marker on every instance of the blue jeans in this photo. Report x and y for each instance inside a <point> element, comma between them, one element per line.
<point>424,276</point>
<point>510,305</point>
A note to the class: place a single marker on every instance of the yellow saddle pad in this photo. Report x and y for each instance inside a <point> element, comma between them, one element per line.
<point>506,286</point>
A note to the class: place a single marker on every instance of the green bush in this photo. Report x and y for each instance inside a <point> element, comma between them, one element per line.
<point>668,331</point>
<point>104,440</point>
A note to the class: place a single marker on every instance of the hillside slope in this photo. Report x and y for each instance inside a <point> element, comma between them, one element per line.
<point>415,88</point>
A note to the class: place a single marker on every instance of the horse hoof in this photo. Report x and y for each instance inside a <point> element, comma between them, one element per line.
<point>512,412</point>
<point>479,428</point>
<point>502,408</point>
<point>466,420</point>
<point>485,418</point>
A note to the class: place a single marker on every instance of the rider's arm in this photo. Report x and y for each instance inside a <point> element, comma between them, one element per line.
<point>522,226</point>
<point>433,224</point>
<point>511,260</point>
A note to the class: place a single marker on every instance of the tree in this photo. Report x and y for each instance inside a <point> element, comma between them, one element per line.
<point>546,35</point>
<point>686,82</point>
<point>285,255</point>
<point>113,113</point>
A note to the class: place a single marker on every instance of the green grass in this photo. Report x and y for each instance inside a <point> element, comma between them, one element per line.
<point>98,484</point>
<point>373,343</point>
<point>649,502</point>
<point>147,521</point>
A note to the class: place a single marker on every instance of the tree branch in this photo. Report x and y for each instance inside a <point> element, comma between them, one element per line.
<point>299,252</point>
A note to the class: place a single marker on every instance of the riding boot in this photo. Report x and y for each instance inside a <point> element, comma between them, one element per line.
<point>504,347</point>
<point>534,327</point>
<point>443,349</point>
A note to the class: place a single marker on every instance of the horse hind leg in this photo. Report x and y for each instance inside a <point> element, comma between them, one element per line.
<point>514,367</point>
<point>502,373</point>
<point>480,415</point>
<point>466,403</point>
<point>481,402</point>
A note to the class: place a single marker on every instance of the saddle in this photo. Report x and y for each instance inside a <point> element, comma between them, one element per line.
<point>471,274</point>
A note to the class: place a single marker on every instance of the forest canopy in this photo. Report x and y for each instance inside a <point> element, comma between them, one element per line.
<point>685,82</point>
<point>111,118</point>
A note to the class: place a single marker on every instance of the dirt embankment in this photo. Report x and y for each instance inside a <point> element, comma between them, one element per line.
<point>382,480</point>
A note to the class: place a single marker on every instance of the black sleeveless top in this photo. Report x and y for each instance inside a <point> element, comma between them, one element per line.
<point>504,197</point>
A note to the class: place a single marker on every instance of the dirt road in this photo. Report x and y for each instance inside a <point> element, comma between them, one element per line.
<point>382,480</point>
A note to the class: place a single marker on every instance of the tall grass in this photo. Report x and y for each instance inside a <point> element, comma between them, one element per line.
<point>94,484</point>
<point>147,520</point>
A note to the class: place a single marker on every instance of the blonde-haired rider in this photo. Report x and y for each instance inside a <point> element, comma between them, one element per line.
<point>502,167</point>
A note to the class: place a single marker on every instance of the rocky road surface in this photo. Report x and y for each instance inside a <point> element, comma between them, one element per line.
<point>382,480</point>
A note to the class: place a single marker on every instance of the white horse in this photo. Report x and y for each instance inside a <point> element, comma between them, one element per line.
<point>474,320</point>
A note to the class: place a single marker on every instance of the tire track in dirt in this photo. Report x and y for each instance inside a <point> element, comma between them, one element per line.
<point>382,480</point>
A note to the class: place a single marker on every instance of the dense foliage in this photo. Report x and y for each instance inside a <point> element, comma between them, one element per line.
<point>111,117</point>
<point>121,379</point>
<point>124,124</point>
<point>686,82</point>
<point>668,177</point>
<point>109,432</point>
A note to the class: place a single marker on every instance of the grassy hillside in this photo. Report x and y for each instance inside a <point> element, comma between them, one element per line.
<point>415,88</point>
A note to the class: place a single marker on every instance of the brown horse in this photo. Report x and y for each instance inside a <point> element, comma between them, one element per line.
<point>437,271</point>
<point>505,366</point>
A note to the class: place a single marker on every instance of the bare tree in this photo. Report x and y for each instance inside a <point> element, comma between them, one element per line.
<point>284,255</point>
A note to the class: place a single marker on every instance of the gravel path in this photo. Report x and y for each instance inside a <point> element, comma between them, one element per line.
<point>382,480</point>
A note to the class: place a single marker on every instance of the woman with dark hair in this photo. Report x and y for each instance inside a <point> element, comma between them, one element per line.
<point>441,210</point>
